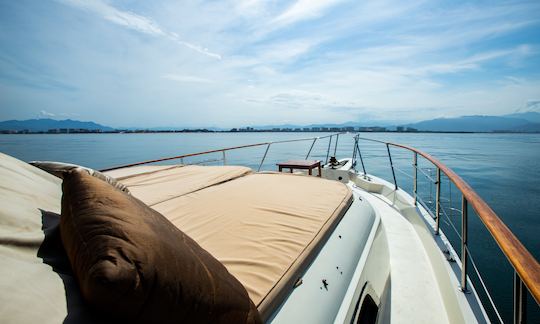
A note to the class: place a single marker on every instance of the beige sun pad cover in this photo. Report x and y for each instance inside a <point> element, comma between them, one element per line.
<point>265,228</point>
<point>163,183</point>
<point>36,281</point>
<point>122,173</point>
<point>30,291</point>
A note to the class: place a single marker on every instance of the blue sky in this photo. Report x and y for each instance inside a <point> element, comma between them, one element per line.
<point>250,62</point>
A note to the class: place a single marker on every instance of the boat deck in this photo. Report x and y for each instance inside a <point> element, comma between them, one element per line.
<point>424,284</point>
<point>413,298</point>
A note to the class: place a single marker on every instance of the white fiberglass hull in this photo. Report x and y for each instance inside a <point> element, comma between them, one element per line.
<point>384,248</point>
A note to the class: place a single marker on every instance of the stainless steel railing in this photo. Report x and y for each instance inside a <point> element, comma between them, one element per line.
<point>224,150</point>
<point>526,267</point>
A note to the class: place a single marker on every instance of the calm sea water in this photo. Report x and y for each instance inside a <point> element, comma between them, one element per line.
<point>502,168</point>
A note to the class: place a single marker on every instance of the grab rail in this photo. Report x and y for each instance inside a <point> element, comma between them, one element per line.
<point>223,150</point>
<point>526,267</point>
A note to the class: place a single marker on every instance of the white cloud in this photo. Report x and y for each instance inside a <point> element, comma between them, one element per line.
<point>532,105</point>
<point>251,7</point>
<point>45,113</point>
<point>470,63</point>
<point>123,18</point>
<point>304,10</point>
<point>185,78</point>
<point>285,51</point>
<point>136,22</point>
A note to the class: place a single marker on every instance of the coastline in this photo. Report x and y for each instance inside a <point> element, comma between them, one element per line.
<point>144,131</point>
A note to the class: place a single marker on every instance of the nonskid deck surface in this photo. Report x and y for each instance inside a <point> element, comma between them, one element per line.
<point>415,296</point>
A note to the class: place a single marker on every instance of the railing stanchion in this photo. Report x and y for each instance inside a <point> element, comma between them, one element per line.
<point>264,157</point>
<point>391,165</point>
<point>520,300</point>
<point>224,158</point>
<point>312,144</point>
<point>415,184</point>
<point>335,146</point>
<point>328,151</point>
<point>438,202</point>
<point>361,159</point>
<point>353,159</point>
<point>464,230</point>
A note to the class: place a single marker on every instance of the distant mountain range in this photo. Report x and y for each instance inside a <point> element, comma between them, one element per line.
<point>530,116</point>
<point>43,125</point>
<point>516,122</point>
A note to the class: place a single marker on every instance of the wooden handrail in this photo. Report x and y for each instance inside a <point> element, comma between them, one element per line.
<point>526,266</point>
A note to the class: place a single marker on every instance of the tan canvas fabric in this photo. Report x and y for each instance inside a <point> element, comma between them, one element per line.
<point>120,174</point>
<point>34,268</point>
<point>167,183</point>
<point>24,190</point>
<point>30,290</point>
<point>263,227</point>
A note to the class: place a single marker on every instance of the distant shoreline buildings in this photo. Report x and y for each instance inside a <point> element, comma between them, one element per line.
<point>350,129</point>
<point>379,129</point>
<point>514,123</point>
<point>204,130</point>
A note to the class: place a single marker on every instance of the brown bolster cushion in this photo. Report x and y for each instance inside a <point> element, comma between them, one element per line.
<point>133,264</point>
